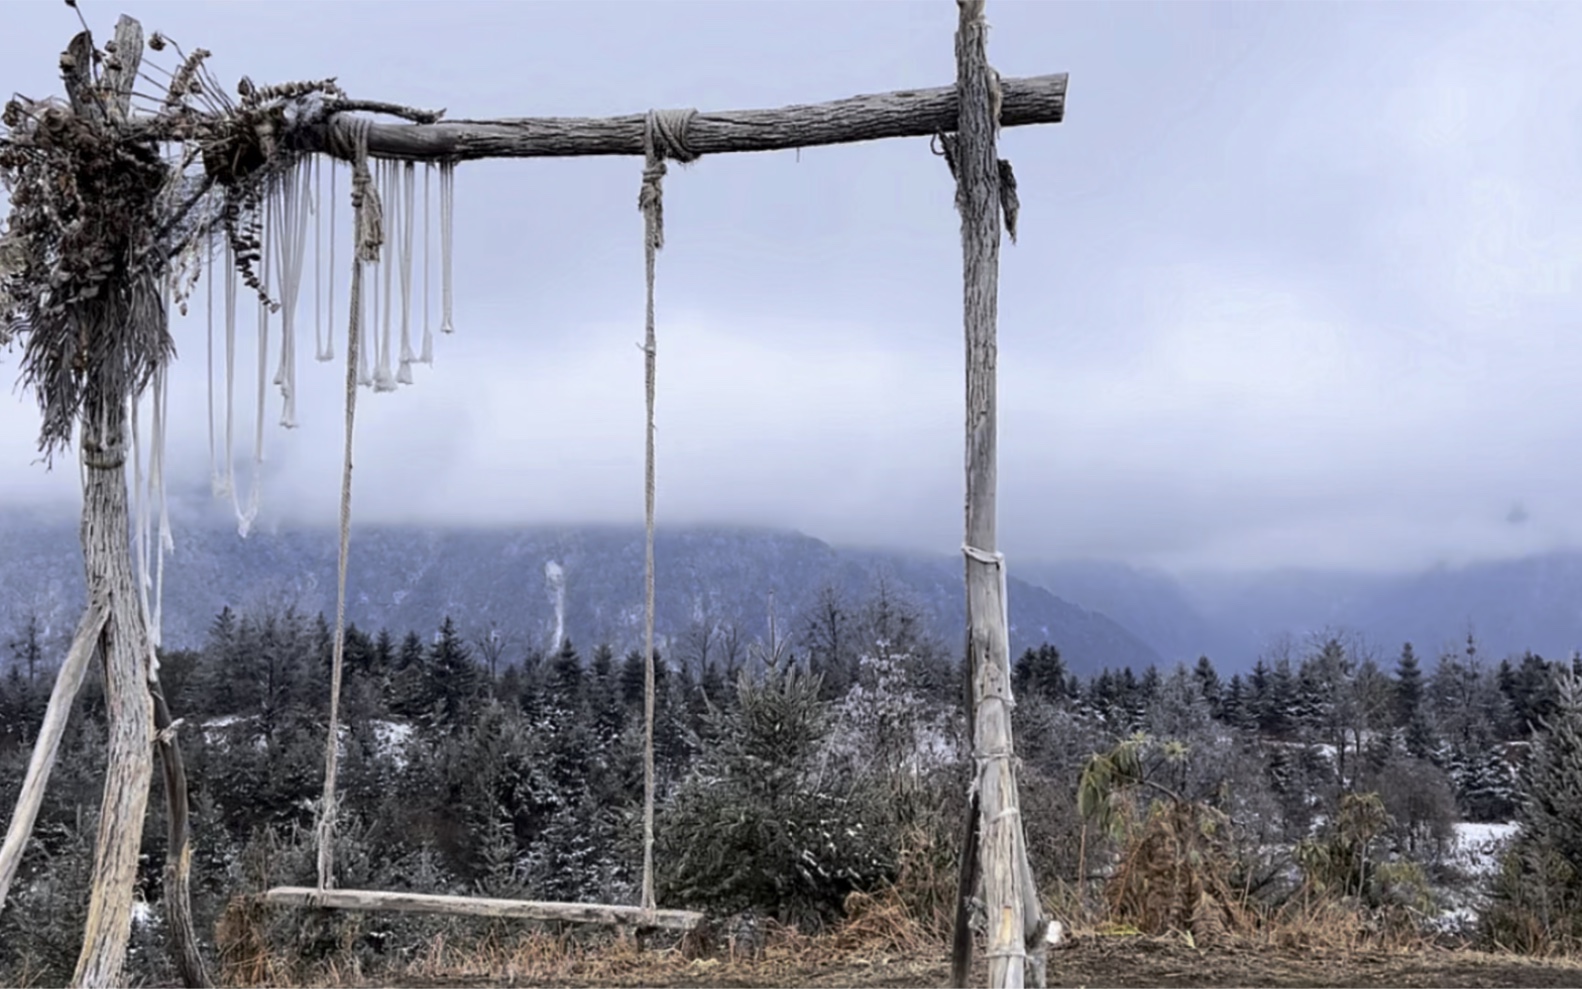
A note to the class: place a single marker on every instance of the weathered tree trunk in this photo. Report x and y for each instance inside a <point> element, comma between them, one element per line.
<point>177,899</point>
<point>1011,905</point>
<point>125,649</point>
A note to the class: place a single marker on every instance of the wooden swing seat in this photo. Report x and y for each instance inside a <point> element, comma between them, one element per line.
<point>470,906</point>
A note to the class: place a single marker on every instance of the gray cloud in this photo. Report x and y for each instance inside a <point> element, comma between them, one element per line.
<point>1295,286</point>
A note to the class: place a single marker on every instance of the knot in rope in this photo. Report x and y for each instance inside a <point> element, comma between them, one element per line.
<point>664,136</point>
<point>349,140</point>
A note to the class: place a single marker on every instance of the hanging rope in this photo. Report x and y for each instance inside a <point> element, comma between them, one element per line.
<point>367,238</point>
<point>664,135</point>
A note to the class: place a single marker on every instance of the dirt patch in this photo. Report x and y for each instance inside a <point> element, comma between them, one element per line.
<point>1088,961</point>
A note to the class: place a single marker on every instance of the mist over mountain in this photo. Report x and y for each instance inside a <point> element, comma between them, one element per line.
<point>1510,606</point>
<point>513,579</point>
<point>1099,613</point>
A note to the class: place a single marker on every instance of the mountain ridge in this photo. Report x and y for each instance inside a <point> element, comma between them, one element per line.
<point>411,578</point>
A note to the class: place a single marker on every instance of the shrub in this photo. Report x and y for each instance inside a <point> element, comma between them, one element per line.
<point>762,823</point>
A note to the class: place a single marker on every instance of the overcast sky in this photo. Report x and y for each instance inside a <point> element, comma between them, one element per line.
<point>1296,282</point>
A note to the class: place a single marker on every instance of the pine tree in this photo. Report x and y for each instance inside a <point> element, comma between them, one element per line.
<point>453,682</point>
<point>1235,708</point>
<point>1040,673</point>
<point>609,713</point>
<point>1551,814</point>
<point>567,682</point>
<point>1408,687</point>
<point>408,691</point>
<point>1208,682</point>
<point>1258,687</point>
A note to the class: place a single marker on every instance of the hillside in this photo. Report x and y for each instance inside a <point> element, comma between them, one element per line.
<point>407,577</point>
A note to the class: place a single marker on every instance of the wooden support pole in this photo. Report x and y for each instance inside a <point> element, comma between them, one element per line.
<point>429,903</point>
<point>68,681</point>
<point>1012,910</point>
<point>907,113</point>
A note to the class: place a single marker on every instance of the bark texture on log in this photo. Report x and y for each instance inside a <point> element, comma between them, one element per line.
<point>124,648</point>
<point>582,913</point>
<point>1012,910</point>
<point>908,113</point>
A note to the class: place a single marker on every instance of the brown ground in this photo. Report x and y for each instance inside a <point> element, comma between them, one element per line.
<point>1087,961</point>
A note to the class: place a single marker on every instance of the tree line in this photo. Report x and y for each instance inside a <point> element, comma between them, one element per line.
<point>791,773</point>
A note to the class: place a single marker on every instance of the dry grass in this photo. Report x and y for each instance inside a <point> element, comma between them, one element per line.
<point>880,943</point>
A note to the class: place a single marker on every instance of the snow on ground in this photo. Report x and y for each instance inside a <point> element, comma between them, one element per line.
<point>1477,846</point>
<point>393,737</point>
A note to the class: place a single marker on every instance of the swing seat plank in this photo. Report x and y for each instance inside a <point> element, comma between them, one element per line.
<point>431,903</point>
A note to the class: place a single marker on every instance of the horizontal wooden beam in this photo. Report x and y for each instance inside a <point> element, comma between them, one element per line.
<point>908,113</point>
<point>580,913</point>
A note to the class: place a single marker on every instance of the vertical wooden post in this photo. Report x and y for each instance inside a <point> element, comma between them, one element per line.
<point>124,646</point>
<point>1011,905</point>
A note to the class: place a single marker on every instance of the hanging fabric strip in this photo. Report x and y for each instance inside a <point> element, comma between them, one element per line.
<point>140,513</point>
<point>228,475</point>
<point>255,495</point>
<point>215,481</point>
<point>156,480</point>
<point>329,337</point>
<point>290,241</point>
<point>384,373</point>
<point>408,189</point>
<point>316,206</point>
<point>427,355</point>
<point>447,223</point>
<point>278,241</point>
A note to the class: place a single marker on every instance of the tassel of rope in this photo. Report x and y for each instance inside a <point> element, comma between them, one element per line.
<point>368,237</point>
<point>664,135</point>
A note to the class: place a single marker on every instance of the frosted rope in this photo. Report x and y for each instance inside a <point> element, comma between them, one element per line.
<point>408,189</point>
<point>447,225</point>
<point>659,139</point>
<point>365,244</point>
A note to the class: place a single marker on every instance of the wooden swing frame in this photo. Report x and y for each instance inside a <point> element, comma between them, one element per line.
<point>965,118</point>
